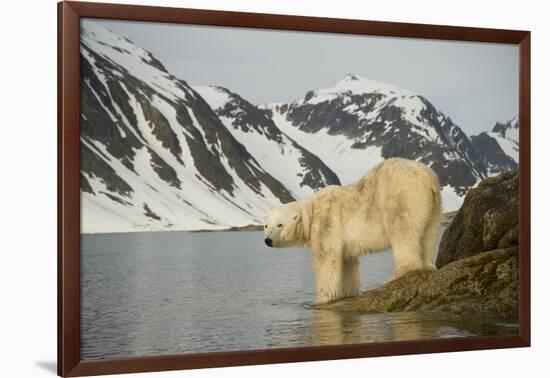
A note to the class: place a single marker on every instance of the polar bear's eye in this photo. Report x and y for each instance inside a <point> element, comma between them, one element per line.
<point>265,226</point>
<point>279,225</point>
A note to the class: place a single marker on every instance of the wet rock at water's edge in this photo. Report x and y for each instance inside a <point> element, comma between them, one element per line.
<point>478,262</point>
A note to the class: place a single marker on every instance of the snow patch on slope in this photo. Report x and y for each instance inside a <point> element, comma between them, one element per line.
<point>282,159</point>
<point>348,163</point>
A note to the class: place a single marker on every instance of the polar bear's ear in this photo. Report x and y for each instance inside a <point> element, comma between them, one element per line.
<point>296,217</point>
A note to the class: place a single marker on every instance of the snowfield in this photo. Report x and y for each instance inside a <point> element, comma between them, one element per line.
<point>349,164</point>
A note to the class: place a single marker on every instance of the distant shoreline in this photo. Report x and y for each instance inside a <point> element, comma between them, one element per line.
<point>446,219</point>
<point>248,227</point>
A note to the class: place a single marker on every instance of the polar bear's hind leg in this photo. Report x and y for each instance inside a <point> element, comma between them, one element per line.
<point>428,244</point>
<point>406,258</point>
<point>351,277</point>
<point>406,243</point>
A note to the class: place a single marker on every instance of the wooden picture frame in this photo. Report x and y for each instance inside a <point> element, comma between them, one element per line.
<point>69,15</point>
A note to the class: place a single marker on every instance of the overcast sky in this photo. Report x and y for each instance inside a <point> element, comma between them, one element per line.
<point>476,84</point>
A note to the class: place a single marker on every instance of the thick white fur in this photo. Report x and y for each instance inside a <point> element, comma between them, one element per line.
<point>397,204</point>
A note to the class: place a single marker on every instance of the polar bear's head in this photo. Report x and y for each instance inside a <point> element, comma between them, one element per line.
<point>281,226</point>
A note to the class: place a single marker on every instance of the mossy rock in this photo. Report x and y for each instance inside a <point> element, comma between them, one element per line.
<point>486,283</point>
<point>488,219</point>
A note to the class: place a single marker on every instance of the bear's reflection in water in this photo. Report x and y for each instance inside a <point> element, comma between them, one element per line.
<point>330,327</point>
<point>333,328</point>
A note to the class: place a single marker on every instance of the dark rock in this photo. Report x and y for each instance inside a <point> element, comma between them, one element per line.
<point>510,239</point>
<point>160,127</point>
<point>164,170</point>
<point>116,199</point>
<point>486,220</point>
<point>502,128</point>
<point>95,166</point>
<point>155,63</point>
<point>486,283</point>
<point>489,154</point>
<point>149,213</point>
<point>85,184</point>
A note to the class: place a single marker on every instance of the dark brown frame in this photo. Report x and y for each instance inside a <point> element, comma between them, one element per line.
<point>69,14</point>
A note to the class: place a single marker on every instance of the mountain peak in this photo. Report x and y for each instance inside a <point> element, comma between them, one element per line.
<point>353,84</point>
<point>92,32</point>
<point>124,57</point>
<point>508,129</point>
<point>217,97</point>
<point>351,77</point>
<point>359,85</point>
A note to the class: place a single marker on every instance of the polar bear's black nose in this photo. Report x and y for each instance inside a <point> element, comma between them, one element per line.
<point>268,242</point>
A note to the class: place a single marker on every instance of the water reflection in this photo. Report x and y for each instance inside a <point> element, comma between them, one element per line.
<point>330,327</point>
<point>333,328</point>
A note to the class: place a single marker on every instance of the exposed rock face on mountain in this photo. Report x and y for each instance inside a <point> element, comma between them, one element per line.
<point>154,154</point>
<point>478,262</point>
<point>298,169</point>
<point>508,130</point>
<point>363,121</point>
<point>498,149</point>
<point>491,155</point>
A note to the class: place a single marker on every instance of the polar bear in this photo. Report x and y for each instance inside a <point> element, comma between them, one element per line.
<point>397,204</point>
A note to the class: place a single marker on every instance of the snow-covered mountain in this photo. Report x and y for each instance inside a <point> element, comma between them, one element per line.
<point>158,154</point>
<point>360,122</point>
<point>508,130</point>
<point>498,149</point>
<point>154,154</point>
<point>299,170</point>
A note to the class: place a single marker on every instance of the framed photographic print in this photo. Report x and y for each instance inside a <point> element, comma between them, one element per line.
<point>239,188</point>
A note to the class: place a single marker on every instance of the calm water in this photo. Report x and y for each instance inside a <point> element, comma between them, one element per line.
<point>181,292</point>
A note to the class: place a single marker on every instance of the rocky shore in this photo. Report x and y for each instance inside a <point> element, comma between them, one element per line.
<point>249,227</point>
<point>478,262</point>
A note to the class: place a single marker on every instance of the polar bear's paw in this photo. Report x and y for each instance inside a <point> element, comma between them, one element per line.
<point>401,271</point>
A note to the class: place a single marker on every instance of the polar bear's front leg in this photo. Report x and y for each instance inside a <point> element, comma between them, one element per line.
<point>328,269</point>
